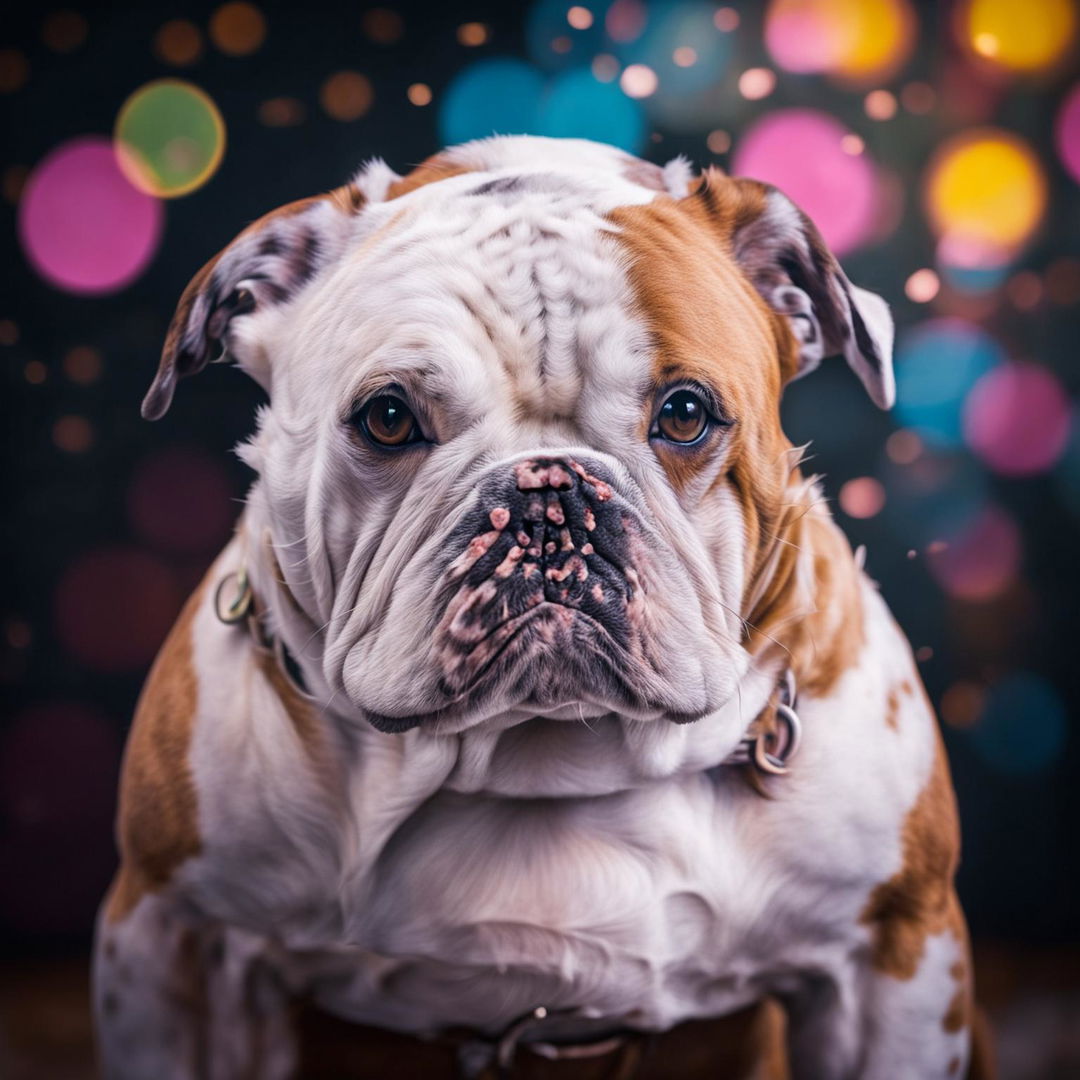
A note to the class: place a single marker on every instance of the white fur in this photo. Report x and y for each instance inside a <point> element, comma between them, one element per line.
<point>587,860</point>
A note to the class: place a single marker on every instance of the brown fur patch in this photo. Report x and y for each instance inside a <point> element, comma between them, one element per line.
<point>158,818</point>
<point>710,325</point>
<point>919,900</point>
<point>435,168</point>
<point>956,1017</point>
<point>892,710</point>
<point>347,199</point>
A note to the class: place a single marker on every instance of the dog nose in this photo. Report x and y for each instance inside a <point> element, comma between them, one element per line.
<point>538,474</point>
<point>558,474</point>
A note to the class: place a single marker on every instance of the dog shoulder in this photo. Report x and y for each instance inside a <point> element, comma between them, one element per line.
<point>157,823</point>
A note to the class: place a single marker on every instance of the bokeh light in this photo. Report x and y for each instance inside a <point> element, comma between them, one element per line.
<point>933,494</point>
<point>170,138</point>
<point>576,105</point>
<point>580,18</point>
<point>937,363</point>
<point>985,189</point>
<point>972,265</point>
<point>903,446</point>
<point>237,28</point>
<point>1019,37</point>
<point>1017,419</point>
<point>82,225</point>
<point>180,502</point>
<point>918,98</point>
<point>82,364</point>
<point>178,43</point>
<point>419,94</point>
<point>801,152</point>
<point>922,286</point>
<point>669,29</point>
<point>862,497</point>
<point>978,558</point>
<point>1023,726</point>
<point>498,96</point>
<point>879,105</point>
<point>638,81</point>
<point>114,606</point>
<point>962,704</point>
<point>346,95</point>
<point>757,83</point>
<point>1063,280</point>
<point>1067,133</point>
<point>1025,290</point>
<point>605,67</point>
<point>559,36</point>
<point>472,34</point>
<point>853,39</point>
<point>625,20</point>
<point>282,112</point>
<point>73,434</point>
<point>383,26</point>
<point>64,31</point>
<point>14,70</point>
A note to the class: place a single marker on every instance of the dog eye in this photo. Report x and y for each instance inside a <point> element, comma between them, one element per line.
<point>388,421</point>
<point>683,418</point>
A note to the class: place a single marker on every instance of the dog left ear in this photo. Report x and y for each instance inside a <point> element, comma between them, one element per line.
<point>264,266</point>
<point>782,253</point>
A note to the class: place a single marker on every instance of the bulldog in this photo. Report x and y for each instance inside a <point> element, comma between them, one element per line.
<point>481,733</point>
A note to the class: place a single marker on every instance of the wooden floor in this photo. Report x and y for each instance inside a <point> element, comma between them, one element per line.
<point>1032,998</point>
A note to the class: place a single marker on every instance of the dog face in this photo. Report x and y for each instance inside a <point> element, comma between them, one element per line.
<point>523,453</point>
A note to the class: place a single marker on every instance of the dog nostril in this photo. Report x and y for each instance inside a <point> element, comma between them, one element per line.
<point>535,475</point>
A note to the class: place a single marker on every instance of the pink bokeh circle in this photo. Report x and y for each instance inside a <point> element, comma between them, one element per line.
<point>981,559</point>
<point>181,501</point>
<point>801,152</point>
<point>82,225</point>
<point>114,607</point>
<point>1016,418</point>
<point>1067,132</point>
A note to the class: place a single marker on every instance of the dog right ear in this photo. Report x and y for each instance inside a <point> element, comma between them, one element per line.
<point>264,266</point>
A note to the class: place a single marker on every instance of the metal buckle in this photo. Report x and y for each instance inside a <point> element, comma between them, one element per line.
<point>240,606</point>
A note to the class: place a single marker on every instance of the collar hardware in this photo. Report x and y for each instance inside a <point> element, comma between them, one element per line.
<point>240,606</point>
<point>770,752</point>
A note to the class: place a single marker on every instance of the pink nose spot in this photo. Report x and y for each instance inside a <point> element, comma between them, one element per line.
<point>532,475</point>
<point>500,517</point>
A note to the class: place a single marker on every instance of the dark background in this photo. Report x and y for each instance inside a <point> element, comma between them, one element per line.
<point>108,521</point>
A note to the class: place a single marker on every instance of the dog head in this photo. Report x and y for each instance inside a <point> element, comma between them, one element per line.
<point>523,452</point>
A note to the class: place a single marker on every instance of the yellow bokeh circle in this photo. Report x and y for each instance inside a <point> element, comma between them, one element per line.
<point>1020,36</point>
<point>986,187</point>
<point>169,138</point>
<point>856,40</point>
<point>880,39</point>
